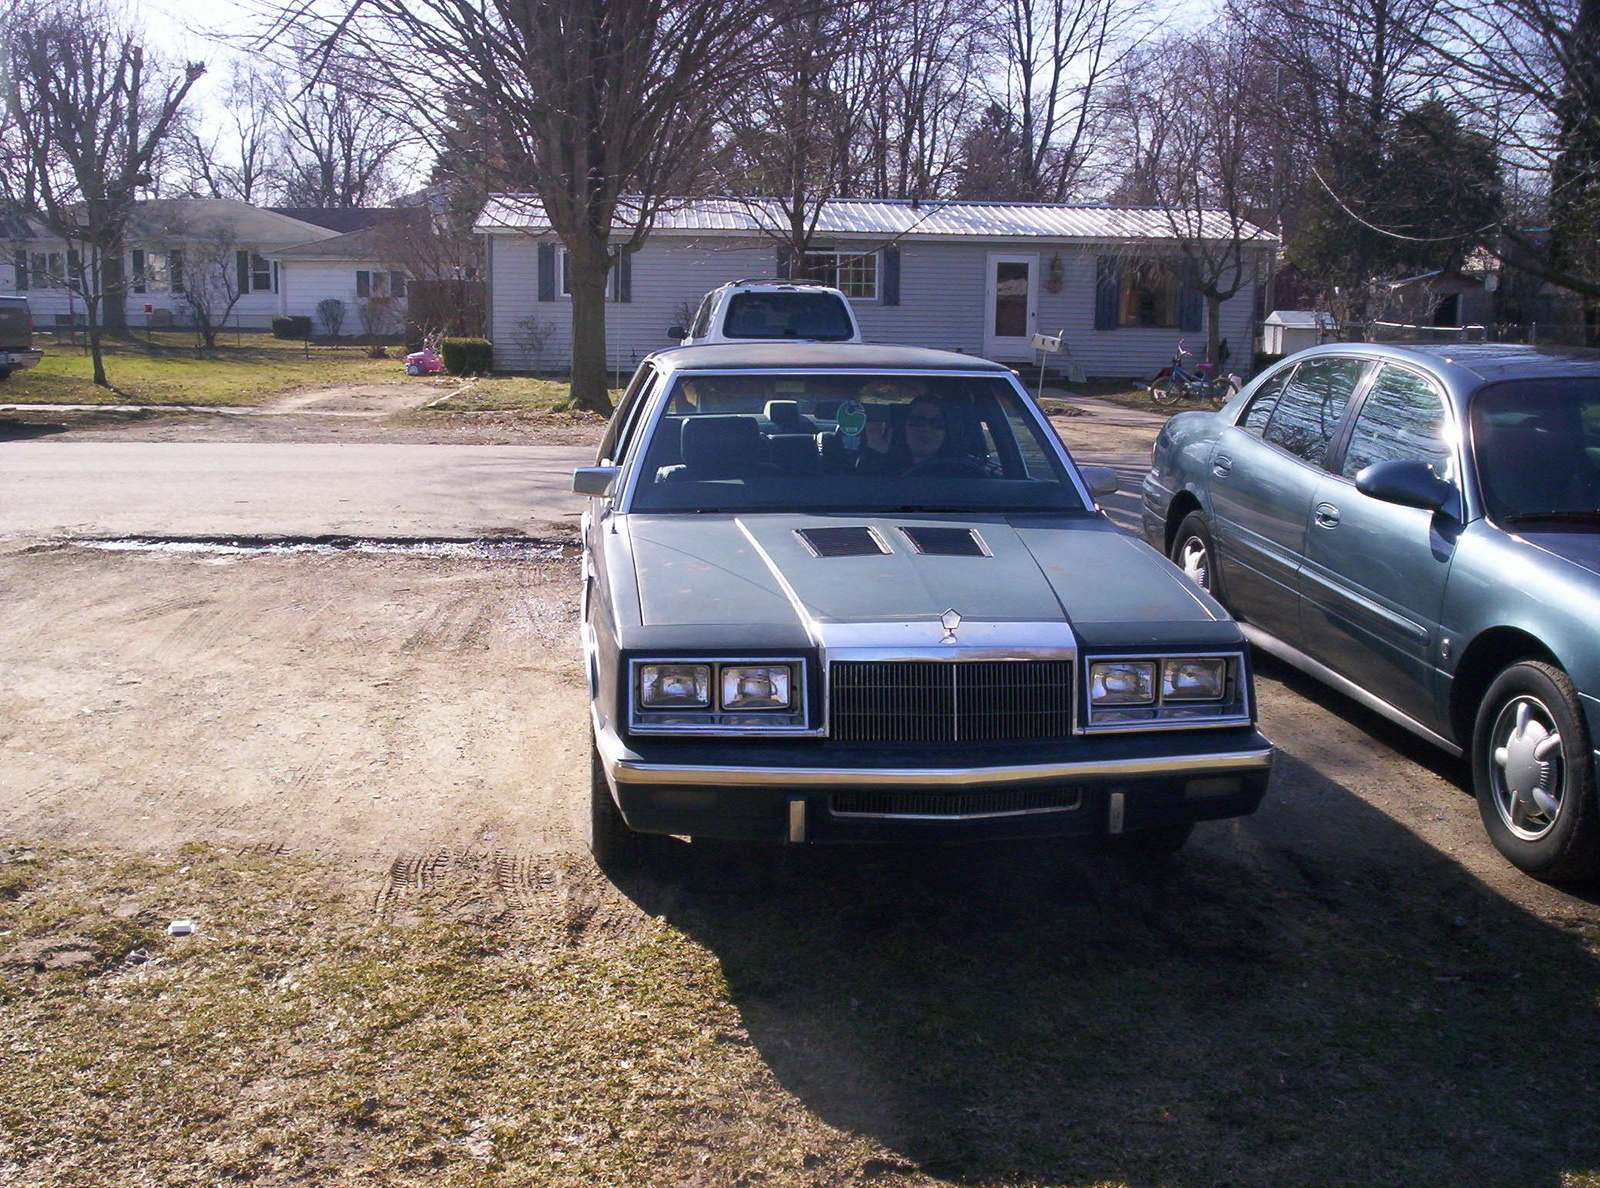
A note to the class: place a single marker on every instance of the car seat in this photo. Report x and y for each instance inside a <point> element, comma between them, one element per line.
<point>718,447</point>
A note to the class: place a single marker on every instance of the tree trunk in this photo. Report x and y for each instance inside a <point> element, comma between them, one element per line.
<point>587,271</point>
<point>113,298</point>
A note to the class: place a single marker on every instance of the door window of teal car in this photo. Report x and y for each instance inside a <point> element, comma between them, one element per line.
<point>1402,418</point>
<point>1309,408</point>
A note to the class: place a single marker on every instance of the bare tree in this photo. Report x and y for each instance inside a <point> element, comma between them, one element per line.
<point>206,274</point>
<point>90,111</point>
<point>1199,154</point>
<point>1053,59</point>
<point>604,108</point>
<point>341,144</point>
<point>242,156</point>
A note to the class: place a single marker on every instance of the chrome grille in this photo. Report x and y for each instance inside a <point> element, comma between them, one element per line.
<point>950,701</point>
<point>998,803</point>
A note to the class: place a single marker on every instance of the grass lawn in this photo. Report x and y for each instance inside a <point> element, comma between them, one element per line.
<point>510,393</point>
<point>244,369</point>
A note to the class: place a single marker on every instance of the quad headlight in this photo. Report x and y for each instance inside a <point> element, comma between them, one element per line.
<point>717,696</point>
<point>1132,691</point>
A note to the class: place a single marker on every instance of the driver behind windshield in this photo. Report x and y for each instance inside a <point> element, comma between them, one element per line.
<point>921,436</point>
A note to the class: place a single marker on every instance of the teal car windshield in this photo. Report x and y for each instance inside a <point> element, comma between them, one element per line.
<point>1537,444</point>
<point>850,442</point>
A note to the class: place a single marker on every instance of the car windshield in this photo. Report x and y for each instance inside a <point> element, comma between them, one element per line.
<point>817,316</point>
<point>1537,446</point>
<point>849,442</point>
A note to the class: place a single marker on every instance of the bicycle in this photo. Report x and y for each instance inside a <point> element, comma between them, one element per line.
<point>1178,381</point>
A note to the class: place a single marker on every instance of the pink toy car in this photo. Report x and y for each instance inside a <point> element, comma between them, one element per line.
<point>427,361</point>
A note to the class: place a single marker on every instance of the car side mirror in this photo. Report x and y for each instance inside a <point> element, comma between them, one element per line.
<point>1406,482</point>
<point>1101,480</point>
<point>594,481</point>
<point>676,332</point>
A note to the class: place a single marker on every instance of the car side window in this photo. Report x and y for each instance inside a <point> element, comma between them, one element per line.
<point>614,445</point>
<point>1263,402</point>
<point>1309,408</point>
<point>702,317</point>
<point>1401,418</point>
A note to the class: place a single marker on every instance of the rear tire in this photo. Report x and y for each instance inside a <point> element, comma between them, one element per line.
<point>1166,391</point>
<point>1194,552</point>
<point>1533,773</point>
<point>614,845</point>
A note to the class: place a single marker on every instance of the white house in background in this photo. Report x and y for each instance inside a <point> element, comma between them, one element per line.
<point>356,269</point>
<point>166,238</point>
<point>977,277</point>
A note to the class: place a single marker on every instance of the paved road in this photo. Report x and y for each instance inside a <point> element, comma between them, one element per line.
<point>159,488</point>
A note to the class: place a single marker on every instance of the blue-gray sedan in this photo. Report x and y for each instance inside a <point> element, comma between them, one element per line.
<point>856,593</point>
<point>1419,527</point>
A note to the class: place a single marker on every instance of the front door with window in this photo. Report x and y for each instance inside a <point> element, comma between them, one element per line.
<point>1012,306</point>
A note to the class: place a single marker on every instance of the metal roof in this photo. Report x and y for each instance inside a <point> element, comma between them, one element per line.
<point>899,219</point>
<point>841,356</point>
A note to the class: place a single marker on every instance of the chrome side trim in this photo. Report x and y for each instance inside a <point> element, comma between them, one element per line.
<point>1295,658</point>
<point>634,771</point>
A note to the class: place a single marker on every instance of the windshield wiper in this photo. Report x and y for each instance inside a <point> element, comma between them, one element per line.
<point>1576,516</point>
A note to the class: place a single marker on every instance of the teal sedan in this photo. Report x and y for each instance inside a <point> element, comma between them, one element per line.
<point>1419,527</point>
<point>847,593</point>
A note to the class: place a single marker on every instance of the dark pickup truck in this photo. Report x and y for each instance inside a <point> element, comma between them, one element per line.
<point>16,337</point>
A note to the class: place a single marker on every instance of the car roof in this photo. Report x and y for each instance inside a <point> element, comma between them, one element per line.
<point>844,356</point>
<point>1469,365</point>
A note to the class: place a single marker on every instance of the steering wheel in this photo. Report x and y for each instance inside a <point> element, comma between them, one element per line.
<point>955,466</point>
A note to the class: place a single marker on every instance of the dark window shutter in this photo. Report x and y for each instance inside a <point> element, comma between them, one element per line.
<point>243,260</point>
<point>891,275</point>
<point>397,284</point>
<point>20,264</point>
<point>621,286</point>
<point>138,270</point>
<point>1107,292</point>
<point>547,272</point>
<point>1191,309</point>
<point>782,268</point>
<point>363,283</point>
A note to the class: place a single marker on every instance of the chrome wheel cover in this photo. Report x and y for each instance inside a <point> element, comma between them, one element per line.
<point>1195,560</point>
<point>1526,773</point>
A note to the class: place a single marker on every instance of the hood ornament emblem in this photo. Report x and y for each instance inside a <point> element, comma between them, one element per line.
<point>950,620</point>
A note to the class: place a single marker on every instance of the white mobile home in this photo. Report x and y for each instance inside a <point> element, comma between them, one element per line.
<point>976,277</point>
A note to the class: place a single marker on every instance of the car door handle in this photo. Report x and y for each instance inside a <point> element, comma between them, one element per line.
<point>1221,465</point>
<point>1327,515</point>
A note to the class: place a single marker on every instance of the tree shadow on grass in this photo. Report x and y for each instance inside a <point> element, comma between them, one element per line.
<point>1256,1012</point>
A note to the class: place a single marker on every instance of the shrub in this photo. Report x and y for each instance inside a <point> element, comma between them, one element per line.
<point>297,327</point>
<point>467,356</point>
<point>331,311</point>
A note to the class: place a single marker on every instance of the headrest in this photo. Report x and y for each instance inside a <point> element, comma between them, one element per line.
<point>783,412</point>
<point>720,445</point>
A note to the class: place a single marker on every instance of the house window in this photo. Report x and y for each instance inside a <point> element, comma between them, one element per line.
<point>380,284</point>
<point>139,284</point>
<point>47,272</point>
<point>852,273</point>
<point>257,274</point>
<point>175,269</point>
<point>1149,295</point>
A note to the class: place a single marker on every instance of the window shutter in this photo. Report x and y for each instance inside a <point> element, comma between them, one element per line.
<point>622,277</point>
<point>782,267</point>
<point>1191,309</point>
<point>74,270</point>
<point>891,274</point>
<point>547,272</point>
<point>363,283</point>
<point>243,260</point>
<point>1107,291</point>
<point>20,266</point>
<point>138,270</point>
<point>397,284</point>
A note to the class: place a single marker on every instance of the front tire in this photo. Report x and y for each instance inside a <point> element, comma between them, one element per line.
<point>1533,773</point>
<point>1194,552</point>
<point>614,845</point>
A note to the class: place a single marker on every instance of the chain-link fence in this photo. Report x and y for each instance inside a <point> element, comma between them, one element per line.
<point>1532,333</point>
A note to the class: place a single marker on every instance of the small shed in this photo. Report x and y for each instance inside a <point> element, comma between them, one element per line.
<point>1288,330</point>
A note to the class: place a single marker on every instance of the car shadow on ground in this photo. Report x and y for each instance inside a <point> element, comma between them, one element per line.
<point>1266,1009</point>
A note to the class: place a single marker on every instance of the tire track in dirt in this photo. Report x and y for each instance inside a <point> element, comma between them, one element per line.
<point>564,896</point>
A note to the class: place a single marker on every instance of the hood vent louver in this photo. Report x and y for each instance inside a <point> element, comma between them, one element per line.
<point>843,542</point>
<point>946,542</point>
